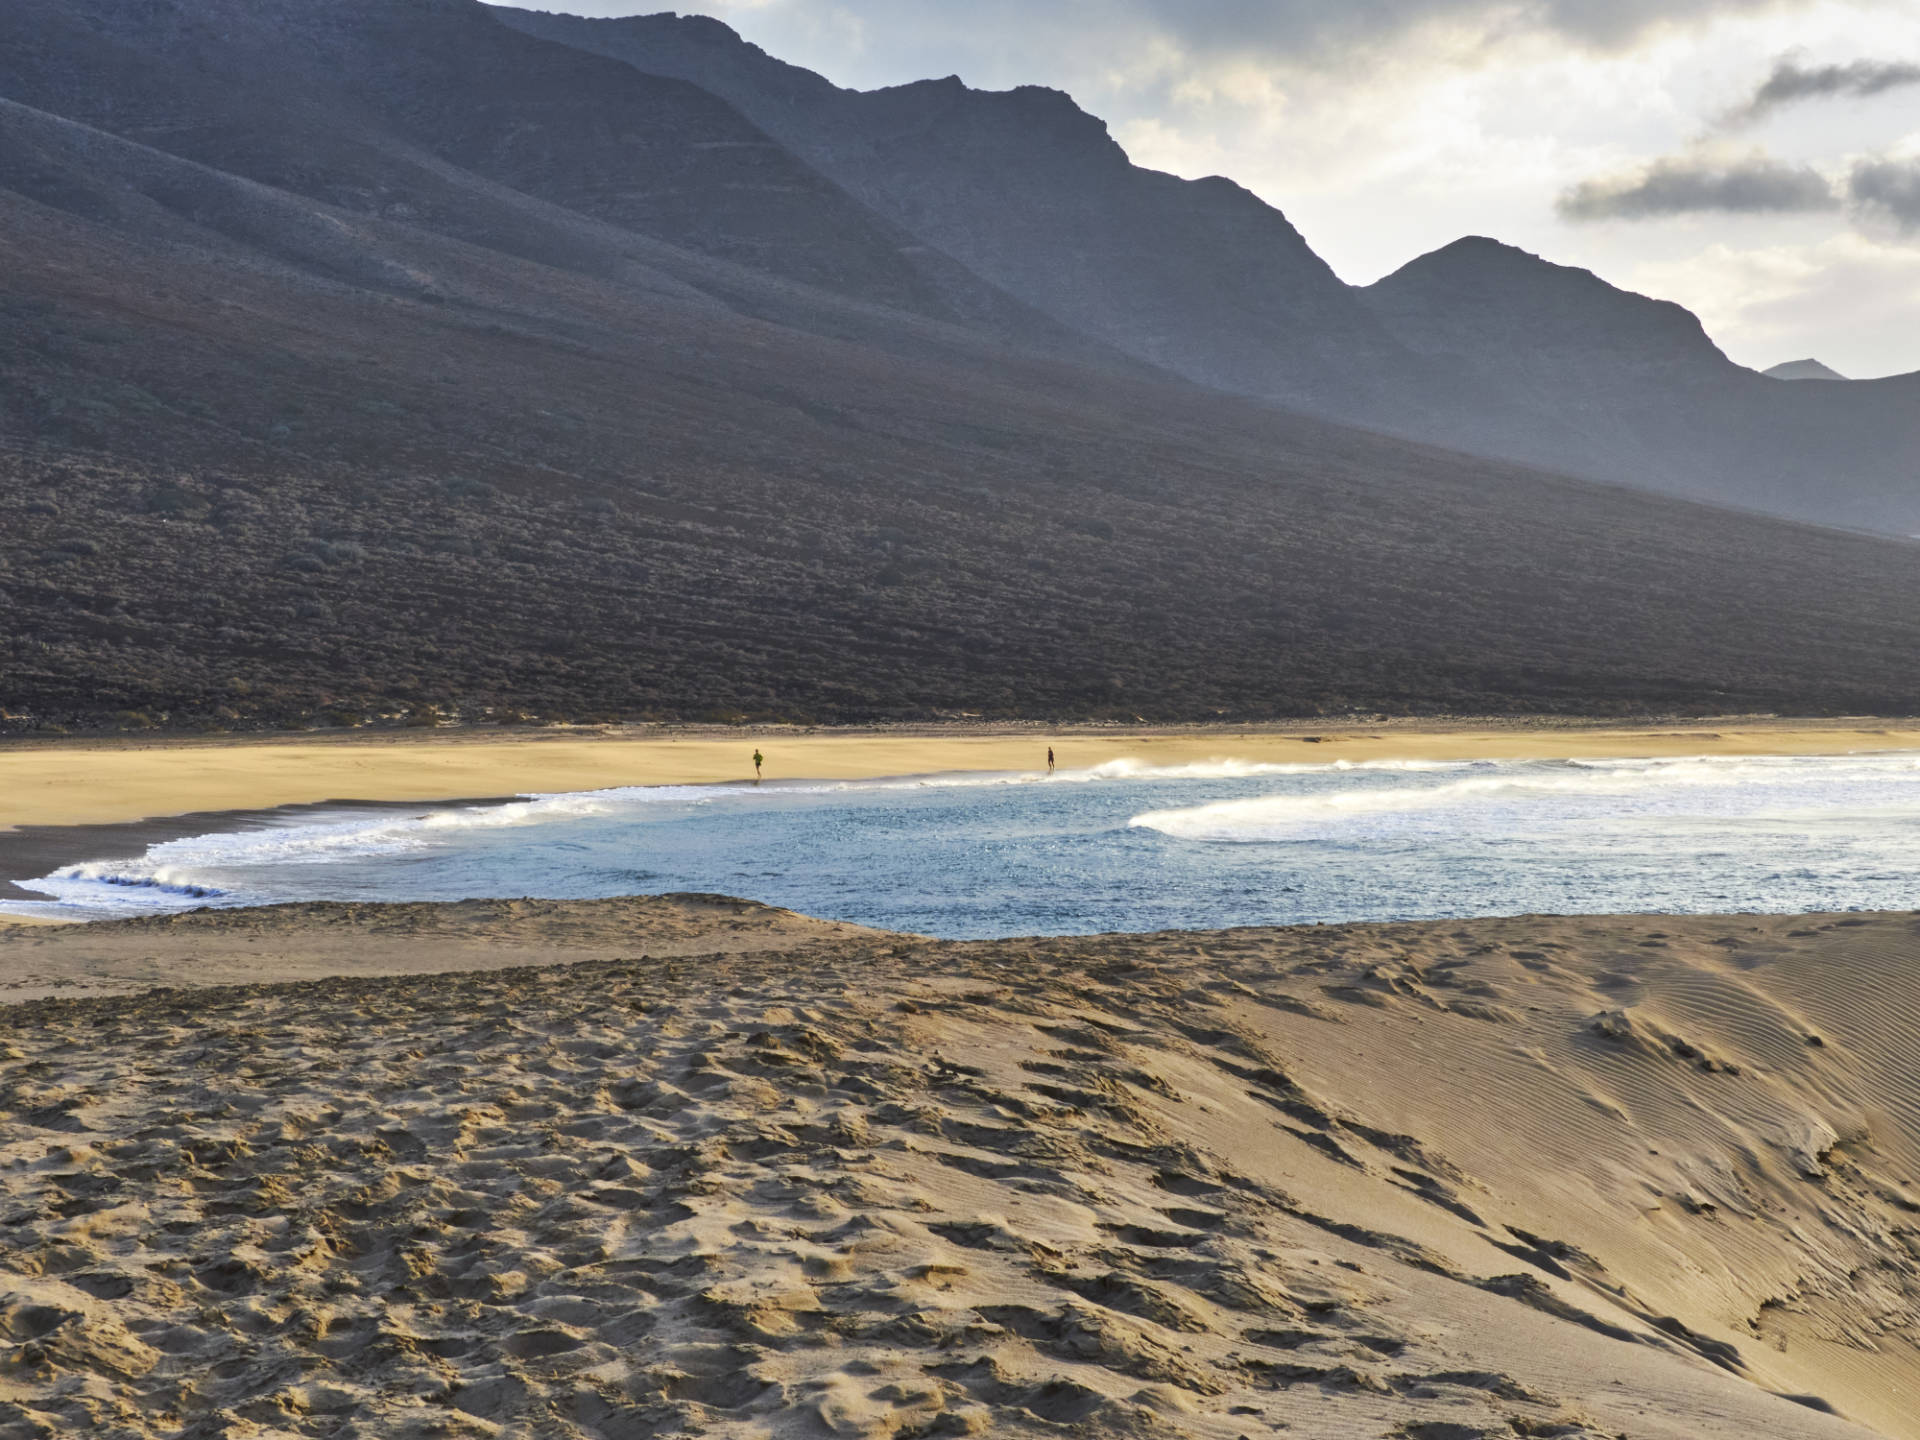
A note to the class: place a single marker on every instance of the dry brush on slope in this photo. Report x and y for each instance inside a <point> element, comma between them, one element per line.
<point>421,367</point>
<point>242,498</point>
<point>319,419</point>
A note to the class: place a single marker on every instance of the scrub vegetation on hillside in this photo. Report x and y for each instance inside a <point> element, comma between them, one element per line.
<point>321,407</point>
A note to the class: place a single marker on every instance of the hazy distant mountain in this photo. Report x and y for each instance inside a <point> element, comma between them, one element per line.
<point>1477,345</point>
<point>1516,316</point>
<point>1599,381</point>
<point>1803,370</point>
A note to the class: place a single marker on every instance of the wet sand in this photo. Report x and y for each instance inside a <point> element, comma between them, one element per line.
<point>69,783</point>
<point>692,1166</point>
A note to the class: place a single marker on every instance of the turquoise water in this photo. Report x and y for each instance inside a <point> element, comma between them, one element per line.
<point>1122,847</point>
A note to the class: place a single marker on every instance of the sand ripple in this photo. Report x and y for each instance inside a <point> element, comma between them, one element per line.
<point>1516,1178</point>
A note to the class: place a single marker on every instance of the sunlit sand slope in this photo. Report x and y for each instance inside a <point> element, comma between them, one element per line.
<point>1534,1177</point>
<point>241,947</point>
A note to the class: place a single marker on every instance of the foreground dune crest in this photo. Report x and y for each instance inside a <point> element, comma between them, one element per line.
<point>1531,1177</point>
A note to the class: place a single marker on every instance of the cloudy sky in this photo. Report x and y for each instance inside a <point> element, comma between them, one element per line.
<point>1756,160</point>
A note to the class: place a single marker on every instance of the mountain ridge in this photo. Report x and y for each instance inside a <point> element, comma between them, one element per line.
<point>1054,213</point>
<point>704,178</point>
<point>1227,293</point>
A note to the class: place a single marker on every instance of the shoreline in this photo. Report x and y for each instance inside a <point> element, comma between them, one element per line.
<point>30,851</point>
<point>63,784</point>
<point>62,802</point>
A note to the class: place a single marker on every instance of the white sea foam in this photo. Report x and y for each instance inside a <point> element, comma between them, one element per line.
<point>1246,769</point>
<point>1335,799</point>
<point>192,869</point>
<point>178,870</point>
<point>1752,783</point>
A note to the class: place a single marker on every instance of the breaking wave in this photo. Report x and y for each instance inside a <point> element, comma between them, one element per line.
<point>1715,784</point>
<point>176,871</point>
<point>161,882</point>
<point>1102,847</point>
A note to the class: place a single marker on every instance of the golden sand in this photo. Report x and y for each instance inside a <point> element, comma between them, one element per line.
<point>80,782</point>
<point>696,1167</point>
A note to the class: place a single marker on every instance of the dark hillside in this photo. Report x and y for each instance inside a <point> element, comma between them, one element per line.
<point>435,114</point>
<point>1478,346</point>
<point>1200,277</point>
<point>266,461</point>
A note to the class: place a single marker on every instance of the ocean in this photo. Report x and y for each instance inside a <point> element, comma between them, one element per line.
<point>1122,847</point>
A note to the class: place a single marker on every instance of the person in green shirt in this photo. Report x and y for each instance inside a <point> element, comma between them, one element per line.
<point>758,761</point>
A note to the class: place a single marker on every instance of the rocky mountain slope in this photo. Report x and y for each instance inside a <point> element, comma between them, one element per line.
<point>432,114</point>
<point>328,409</point>
<point>1597,380</point>
<point>1032,193</point>
<point>1477,346</point>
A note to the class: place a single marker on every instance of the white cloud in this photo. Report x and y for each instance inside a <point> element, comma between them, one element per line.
<point>1755,184</point>
<point>1794,82</point>
<point>1888,190</point>
<point>895,39</point>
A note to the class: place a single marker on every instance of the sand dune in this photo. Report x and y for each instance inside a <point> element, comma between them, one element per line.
<point>1531,1177</point>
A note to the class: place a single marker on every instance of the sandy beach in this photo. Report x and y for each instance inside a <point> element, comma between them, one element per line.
<point>63,783</point>
<point>695,1167</point>
<point>690,1165</point>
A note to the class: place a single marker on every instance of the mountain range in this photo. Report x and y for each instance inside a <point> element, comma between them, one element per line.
<point>1479,345</point>
<point>404,358</point>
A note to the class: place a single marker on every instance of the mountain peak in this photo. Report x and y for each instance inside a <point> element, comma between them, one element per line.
<point>1808,369</point>
<point>1479,247</point>
<point>1482,257</point>
<point>709,28</point>
<point>1482,285</point>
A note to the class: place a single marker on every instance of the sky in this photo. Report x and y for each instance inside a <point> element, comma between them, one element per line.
<point>1756,160</point>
